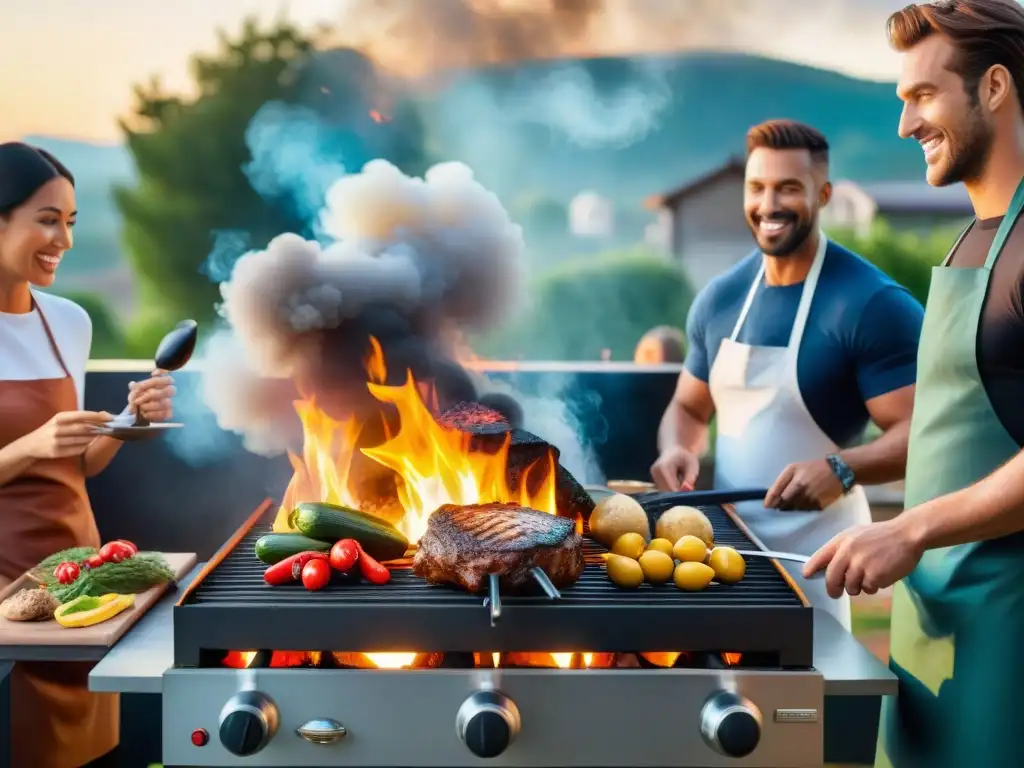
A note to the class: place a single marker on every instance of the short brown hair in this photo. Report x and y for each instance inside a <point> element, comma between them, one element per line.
<point>788,134</point>
<point>984,32</point>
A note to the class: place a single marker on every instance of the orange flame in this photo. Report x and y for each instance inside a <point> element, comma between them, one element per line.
<point>434,465</point>
<point>379,117</point>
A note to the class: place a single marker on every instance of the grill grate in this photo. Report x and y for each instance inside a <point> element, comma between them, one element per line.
<point>239,578</point>
<point>232,608</point>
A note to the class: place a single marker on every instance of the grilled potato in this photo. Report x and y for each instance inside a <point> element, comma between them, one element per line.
<point>616,515</point>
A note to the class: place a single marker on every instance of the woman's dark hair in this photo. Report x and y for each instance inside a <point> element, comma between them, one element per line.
<point>23,170</point>
<point>984,32</point>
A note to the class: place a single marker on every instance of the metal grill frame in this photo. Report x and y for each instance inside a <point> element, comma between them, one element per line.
<point>368,619</point>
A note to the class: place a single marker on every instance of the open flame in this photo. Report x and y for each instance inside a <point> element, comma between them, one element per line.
<point>434,465</point>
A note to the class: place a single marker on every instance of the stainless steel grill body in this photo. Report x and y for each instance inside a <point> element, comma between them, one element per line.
<point>587,718</point>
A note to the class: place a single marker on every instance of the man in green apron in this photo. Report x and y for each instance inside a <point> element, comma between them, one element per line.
<point>957,552</point>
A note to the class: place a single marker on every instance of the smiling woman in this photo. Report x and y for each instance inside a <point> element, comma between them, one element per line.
<point>48,445</point>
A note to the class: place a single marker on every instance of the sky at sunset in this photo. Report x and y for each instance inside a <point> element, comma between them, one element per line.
<point>71,64</point>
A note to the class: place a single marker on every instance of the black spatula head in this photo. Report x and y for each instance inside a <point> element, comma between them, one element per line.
<point>177,346</point>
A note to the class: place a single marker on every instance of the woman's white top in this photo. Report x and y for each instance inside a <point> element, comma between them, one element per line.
<point>25,351</point>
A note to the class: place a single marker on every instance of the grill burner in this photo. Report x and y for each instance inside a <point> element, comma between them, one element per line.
<point>230,607</point>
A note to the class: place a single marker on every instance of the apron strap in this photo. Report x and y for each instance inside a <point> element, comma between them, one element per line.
<point>807,295</point>
<point>952,251</point>
<point>53,341</point>
<point>746,304</point>
<point>1006,225</point>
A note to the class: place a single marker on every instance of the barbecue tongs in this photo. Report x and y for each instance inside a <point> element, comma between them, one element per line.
<point>493,598</point>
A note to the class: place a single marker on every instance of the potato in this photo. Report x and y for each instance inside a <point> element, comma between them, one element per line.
<point>624,572</point>
<point>690,549</point>
<point>657,566</point>
<point>661,545</point>
<point>728,565</point>
<point>692,577</point>
<point>616,515</point>
<point>677,522</point>
<point>629,545</point>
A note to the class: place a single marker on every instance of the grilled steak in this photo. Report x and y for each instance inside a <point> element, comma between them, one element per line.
<point>465,544</point>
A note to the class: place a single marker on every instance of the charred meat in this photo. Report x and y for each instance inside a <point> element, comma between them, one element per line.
<point>465,544</point>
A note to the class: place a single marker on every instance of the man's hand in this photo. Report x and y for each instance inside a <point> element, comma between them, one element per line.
<point>808,485</point>
<point>676,469</point>
<point>866,558</point>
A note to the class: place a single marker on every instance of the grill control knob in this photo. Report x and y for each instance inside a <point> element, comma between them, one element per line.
<point>247,723</point>
<point>487,723</point>
<point>730,724</point>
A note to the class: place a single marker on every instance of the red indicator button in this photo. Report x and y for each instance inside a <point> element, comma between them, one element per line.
<point>200,738</point>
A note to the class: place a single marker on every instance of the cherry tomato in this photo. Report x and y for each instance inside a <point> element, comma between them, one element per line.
<point>66,573</point>
<point>344,555</point>
<point>316,574</point>
<point>116,551</point>
<point>129,545</point>
<point>94,561</point>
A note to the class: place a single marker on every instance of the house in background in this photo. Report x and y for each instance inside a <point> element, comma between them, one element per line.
<point>913,206</point>
<point>701,223</point>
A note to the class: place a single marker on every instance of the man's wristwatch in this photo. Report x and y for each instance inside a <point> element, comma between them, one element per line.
<point>842,471</point>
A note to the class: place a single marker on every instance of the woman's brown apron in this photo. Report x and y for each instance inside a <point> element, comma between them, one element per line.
<point>55,721</point>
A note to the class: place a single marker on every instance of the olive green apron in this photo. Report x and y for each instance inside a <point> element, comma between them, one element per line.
<point>957,635</point>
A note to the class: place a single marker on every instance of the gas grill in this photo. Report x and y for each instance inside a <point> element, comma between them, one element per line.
<point>411,674</point>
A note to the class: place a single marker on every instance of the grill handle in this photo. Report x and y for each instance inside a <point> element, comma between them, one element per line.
<point>665,499</point>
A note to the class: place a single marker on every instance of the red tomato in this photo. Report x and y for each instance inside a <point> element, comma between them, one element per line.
<point>94,561</point>
<point>132,547</point>
<point>344,555</point>
<point>66,573</point>
<point>316,574</point>
<point>116,551</point>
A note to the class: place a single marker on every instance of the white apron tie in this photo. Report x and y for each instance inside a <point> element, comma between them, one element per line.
<point>763,425</point>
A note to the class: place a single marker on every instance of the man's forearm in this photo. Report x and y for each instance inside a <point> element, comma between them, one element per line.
<point>681,428</point>
<point>14,460</point>
<point>883,460</point>
<point>99,454</point>
<point>989,509</point>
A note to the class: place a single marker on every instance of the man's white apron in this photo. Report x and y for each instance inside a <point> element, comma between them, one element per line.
<point>763,425</point>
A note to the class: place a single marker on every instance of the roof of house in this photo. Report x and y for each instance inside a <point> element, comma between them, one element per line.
<point>734,165</point>
<point>918,197</point>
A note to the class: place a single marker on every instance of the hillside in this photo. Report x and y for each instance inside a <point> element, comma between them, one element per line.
<point>510,126</point>
<point>714,99</point>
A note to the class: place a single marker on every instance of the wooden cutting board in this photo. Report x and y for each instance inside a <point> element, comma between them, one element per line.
<point>48,640</point>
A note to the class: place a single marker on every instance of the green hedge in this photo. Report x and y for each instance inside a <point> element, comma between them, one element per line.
<point>590,304</point>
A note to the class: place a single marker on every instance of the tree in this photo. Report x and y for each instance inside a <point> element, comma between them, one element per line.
<point>195,169</point>
<point>587,305</point>
<point>189,158</point>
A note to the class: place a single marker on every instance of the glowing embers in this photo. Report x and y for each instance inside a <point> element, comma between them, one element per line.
<point>513,660</point>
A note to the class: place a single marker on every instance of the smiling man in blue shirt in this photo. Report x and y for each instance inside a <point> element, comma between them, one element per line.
<point>795,349</point>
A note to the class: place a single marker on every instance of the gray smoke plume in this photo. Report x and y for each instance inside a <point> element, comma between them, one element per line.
<point>413,262</point>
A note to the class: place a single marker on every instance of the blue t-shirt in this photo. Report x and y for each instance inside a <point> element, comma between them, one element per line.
<point>860,340</point>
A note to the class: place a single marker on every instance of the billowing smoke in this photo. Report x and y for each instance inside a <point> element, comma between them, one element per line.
<point>415,263</point>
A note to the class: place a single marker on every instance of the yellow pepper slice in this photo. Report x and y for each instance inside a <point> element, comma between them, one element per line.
<point>85,611</point>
